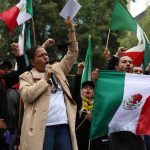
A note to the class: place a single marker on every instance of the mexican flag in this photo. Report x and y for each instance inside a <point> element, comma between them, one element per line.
<point>24,39</point>
<point>121,103</point>
<point>18,14</point>
<point>86,75</point>
<point>122,20</point>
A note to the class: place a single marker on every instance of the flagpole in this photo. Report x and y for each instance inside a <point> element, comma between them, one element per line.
<point>33,28</point>
<point>89,144</point>
<point>23,39</point>
<point>107,38</point>
<point>80,125</point>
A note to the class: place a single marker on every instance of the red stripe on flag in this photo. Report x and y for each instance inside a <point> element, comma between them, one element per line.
<point>10,17</point>
<point>143,126</point>
<point>137,57</point>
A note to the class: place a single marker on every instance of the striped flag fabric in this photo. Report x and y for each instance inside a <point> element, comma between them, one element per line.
<point>137,52</point>
<point>122,20</point>
<point>24,39</point>
<point>18,14</point>
<point>121,103</point>
<point>86,75</point>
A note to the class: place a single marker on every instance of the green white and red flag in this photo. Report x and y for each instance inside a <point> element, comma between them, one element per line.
<point>18,14</point>
<point>121,103</point>
<point>122,20</point>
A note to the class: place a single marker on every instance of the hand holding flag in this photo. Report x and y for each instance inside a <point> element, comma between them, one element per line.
<point>107,54</point>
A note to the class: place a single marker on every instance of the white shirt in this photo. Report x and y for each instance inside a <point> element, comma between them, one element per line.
<point>57,113</point>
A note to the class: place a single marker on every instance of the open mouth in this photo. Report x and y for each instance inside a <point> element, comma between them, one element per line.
<point>128,69</point>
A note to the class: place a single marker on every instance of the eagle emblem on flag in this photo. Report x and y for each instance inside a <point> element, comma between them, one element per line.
<point>133,102</point>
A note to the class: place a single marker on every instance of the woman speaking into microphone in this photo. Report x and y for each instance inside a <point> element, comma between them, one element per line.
<point>49,117</point>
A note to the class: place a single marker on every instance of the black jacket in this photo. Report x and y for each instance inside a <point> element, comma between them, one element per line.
<point>9,80</point>
<point>76,94</point>
<point>83,132</point>
<point>112,63</point>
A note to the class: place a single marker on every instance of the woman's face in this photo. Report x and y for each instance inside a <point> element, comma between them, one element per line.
<point>40,60</point>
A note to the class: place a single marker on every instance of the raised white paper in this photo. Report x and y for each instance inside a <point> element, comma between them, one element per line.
<point>70,9</point>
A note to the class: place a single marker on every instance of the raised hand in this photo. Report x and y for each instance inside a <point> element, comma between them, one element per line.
<point>80,68</point>
<point>120,51</point>
<point>95,74</point>
<point>107,54</point>
<point>15,49</point>
<point>49,42</point>
<point>69,23</point>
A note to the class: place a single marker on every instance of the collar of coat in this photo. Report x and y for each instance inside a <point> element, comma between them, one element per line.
<point>36,74</point>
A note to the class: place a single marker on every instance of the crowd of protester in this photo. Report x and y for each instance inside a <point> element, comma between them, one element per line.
<point>38,111</point>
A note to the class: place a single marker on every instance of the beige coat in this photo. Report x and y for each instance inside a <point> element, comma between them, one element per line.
<point>36,92</point>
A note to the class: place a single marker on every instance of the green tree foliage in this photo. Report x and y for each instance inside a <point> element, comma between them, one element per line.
<point>145,22</point>
<point>48,23</point>
<point>94,18</point>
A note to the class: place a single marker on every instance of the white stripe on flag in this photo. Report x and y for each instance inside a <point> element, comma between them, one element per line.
<point>126,118</point>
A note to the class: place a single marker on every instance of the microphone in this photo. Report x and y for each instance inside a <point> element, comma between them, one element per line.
<point>54,83</point>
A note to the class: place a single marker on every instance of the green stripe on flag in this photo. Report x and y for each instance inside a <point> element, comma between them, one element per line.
<point>86,75</point>
<point>121,19</point>
<point>27,36</point>
<point>27,40</point>
<point>106,102</point>
<point>29,7</point>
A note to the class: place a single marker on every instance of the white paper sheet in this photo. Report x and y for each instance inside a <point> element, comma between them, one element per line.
<point>70,9</point>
